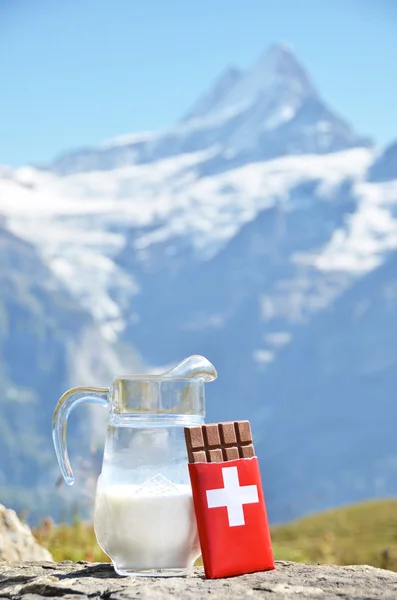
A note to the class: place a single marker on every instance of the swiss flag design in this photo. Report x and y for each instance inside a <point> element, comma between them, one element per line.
<point>231,517</point>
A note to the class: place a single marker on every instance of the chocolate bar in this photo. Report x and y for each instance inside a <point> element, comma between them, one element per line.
<point>218,442</point>
<point>228,499</point>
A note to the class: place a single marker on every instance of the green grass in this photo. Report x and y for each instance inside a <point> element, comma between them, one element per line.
<point>365,533</point>
<point>70,542</point>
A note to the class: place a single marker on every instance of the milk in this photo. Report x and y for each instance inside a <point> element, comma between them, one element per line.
<point>142,529</point>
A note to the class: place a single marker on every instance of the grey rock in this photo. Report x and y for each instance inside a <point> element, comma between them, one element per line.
<point>16,540</point>
<point>34,581</point>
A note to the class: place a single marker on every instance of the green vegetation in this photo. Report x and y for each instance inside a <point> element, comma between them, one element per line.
<point>70,542</point>
<point>361,534</point>
<point>364,533</point>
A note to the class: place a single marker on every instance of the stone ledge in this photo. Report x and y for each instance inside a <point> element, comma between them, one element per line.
<point>80,581</point>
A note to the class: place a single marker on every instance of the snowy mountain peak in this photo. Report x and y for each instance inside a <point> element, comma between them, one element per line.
<point>276,72</point>
<point>279,60</point>
<point>267,110</point>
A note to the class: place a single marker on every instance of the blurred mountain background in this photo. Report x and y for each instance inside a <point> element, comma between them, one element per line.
<point>260,231</point>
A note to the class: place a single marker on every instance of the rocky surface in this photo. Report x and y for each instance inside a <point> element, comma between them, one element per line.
<point>33,581</point>
<point>16,540</point>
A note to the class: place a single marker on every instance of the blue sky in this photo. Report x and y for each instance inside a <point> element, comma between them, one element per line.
<point>78,72</point>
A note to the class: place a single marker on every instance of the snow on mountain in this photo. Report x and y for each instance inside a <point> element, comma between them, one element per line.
<point>369,235</point>
<point>82,233</point>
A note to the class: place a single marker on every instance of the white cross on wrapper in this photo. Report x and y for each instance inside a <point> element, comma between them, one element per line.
<point>232,496</point>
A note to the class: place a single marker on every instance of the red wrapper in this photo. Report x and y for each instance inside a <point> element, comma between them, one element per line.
<point>231,517</point>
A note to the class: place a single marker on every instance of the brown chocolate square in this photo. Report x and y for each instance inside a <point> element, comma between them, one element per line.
<point>230,453</point>
<point>198,456</point>
<point>211,435</point>
<point>246,451</point>
<point>228,434</point>
<point>194,437</point>
<point>215,455</point>
<point>243,430</point>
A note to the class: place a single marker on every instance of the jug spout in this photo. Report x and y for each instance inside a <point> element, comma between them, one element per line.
<point>194,367</point>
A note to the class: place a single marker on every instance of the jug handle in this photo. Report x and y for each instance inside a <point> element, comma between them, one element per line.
<point>68,401</point>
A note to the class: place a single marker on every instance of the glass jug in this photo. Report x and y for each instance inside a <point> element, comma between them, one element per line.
<point>144,517</point>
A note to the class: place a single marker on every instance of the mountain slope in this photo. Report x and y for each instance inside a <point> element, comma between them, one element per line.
<point>337,435</point>
<point>37,315</point>
<point>384,167</point>
<point>48,343</point>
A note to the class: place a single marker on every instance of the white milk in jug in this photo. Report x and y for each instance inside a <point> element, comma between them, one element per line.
<point>145,527</point>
